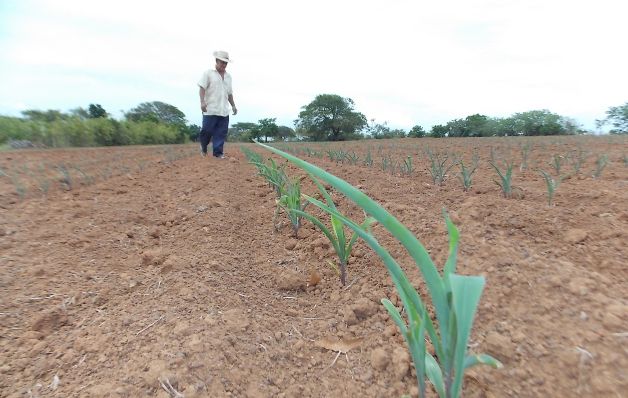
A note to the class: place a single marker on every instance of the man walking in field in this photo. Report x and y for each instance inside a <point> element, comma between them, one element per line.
<point>216,96</point>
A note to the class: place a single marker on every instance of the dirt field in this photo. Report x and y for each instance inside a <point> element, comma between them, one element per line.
<point>138,270</point>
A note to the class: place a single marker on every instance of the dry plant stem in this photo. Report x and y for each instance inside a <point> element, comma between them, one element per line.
<point>165,384</point>
<point>149,326</point>
<point>333,362</point>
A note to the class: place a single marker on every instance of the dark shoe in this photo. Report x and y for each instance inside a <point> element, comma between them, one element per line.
<point>219,156</point>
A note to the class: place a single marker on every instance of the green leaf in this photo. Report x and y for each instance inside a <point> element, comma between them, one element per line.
<point>482,359</point>
<point>395,315</point>
<point>466,291</point>
<point>435,375</point>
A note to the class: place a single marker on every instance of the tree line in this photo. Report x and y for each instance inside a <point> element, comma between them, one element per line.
<point>147,124</point>
<point>329,117</point>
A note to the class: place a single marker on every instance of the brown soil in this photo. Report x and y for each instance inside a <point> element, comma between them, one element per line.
<point>172,274</point>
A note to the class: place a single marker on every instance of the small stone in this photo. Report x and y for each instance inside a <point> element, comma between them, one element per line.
<point>612,321</point>
<point>575,236</point>
<point>380,359</point>
<point>290,280</point>
<point>499,346</point>
<point>291,244</point>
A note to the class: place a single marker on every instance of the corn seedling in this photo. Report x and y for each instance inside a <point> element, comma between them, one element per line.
<point>65,176</point>
<point>466,173</point>
<point>253,157</point>
<point>352,158</point>
<point>290,200</point>
<point>406,168</point>
<point>386,163</point>
<point>87,179</point>
<point>336,234</point>
<point>577,159</point>
<point>625,159</point>
<point>556,163</point>
<point>368,160</point>
<point>600,164</point>
<point>525,153</point>
<point>274,175</point>
<point>552,185</point>
<point>19,188</point>
<point>455,297</point>
<point>438,167</point>
<point>493,155</point>
<point>505,182</point>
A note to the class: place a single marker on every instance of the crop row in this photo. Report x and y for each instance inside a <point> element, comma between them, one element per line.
<point>454,297</point>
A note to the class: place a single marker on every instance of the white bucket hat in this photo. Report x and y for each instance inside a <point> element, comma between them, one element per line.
<point>222,55</point>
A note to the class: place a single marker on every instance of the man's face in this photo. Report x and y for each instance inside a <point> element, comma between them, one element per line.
<point>221,65</point>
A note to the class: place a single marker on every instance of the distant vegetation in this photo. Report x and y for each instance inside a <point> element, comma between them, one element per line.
<point>329,117</point>
<point>148,123</point>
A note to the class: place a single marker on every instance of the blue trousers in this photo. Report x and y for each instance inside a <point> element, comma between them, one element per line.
<point>215,130</point>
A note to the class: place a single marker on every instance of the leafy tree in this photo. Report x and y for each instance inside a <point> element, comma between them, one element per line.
<point>618,117</point>
<point>268,128</point>
<point>160,112</point>
<point>472,126</point>
<point>96,111</point>
<point>330,117</point>
<point>539,122</point>
<point>439,131</point>
<point>192,132</point>
<point>417,132</point>
<point>284,133</point>
<point>44,116</point>
<point>80,113</point>
<point>156,111</point>
<point>377,131</point>
<point>241,131</point>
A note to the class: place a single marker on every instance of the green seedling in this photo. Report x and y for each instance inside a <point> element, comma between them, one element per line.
<point>455,297</point>
<point>406,168</point>
<point>290,200</point>
<point>336,234</point>
<point>556,163</point>
<point>466,173</point>
<point>525,153</point>
<point>552,184</point>
<point>368,160</point>
<point>438,167</point>
<point>600,164</point>
<point>505,182</point>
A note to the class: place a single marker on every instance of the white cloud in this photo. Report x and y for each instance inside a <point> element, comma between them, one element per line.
<point>405,62</point>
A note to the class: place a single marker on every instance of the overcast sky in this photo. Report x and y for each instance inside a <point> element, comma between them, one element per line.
<point>402,62</point>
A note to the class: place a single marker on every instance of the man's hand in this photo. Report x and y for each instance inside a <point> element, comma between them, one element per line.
<point>203,106</point>
<point>235,110</point>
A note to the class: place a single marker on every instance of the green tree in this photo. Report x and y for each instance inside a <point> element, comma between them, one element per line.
<point>377,131</point>
<point>241,131</point>
<point>439,131</point>
<point>417,132</point>
<point>538,122</point>
<point>618,117</point>
<point>192,132</point>
<point>160,112</point>
<point>268,128</point>
<point>330,117</point>
<point>50,115</point>
<point>284,133</point>
<point>96,111</point>
<point>156,111</point>
<point>80,113</point>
